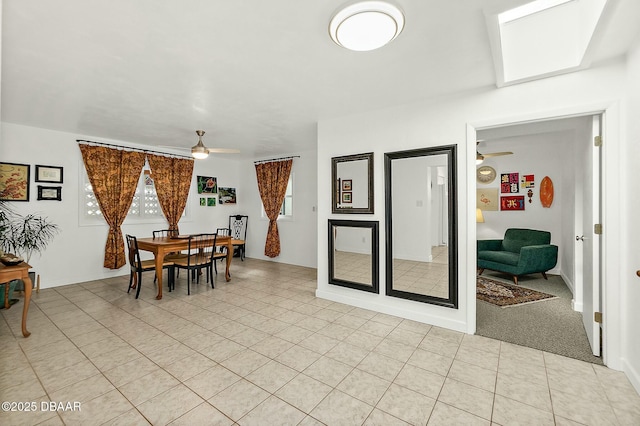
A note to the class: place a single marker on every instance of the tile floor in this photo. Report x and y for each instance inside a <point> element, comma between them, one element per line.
<point>263,350</point>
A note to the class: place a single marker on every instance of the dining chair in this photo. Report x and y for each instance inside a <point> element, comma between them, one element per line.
<point>238,228</point>
<point>201,251</point>
<point>221,251</point>
<point>139,266</point>
<point>169,256</point>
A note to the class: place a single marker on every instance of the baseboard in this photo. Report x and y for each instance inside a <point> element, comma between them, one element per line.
<point>568,282</point>
<point>632,374</point>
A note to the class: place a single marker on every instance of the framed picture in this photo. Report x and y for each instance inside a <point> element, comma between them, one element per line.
<point>14,182</point>
<point>487,199</point>
<point>203,201</point>
<point>50,193</point>
<point>50,174</point>
<point>211,202</point>
<point>509,183</point>
<point>346,185</point>
<point>227,195</point>
<point>512,202</point>
<point>346,197</point>
<point>207,185</point>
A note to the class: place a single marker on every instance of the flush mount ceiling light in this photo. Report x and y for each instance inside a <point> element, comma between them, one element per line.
<point>367,25</point>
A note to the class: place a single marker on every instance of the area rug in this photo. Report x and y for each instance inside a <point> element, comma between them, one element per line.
<point>507,295</point>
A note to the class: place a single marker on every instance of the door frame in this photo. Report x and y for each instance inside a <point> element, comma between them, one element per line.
<point>610,218</point>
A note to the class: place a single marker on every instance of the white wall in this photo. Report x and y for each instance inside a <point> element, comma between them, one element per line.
<point>77,253</point>
<point>443,122</point>
<point>298,239</point>
<point>630,205</point>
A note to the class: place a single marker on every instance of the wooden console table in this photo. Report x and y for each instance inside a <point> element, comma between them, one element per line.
<point>18,272</point>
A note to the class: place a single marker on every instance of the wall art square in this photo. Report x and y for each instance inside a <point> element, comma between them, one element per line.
<point>207,185</point>
<point>512,202</point>
<point>509,183</point>
<point>49,174</point>
<point>347,184</point>
<point>203,201</point>
<point>346,198</point>
<point>14,182</point>
<point>527,181</point>
<point>227,195</point>
<point>487,199</point>
<point>211,202</point>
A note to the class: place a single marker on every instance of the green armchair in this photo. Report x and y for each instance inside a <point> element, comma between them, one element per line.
<point>520,252</point>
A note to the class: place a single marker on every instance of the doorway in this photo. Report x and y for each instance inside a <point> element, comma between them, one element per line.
<point>558,148</point>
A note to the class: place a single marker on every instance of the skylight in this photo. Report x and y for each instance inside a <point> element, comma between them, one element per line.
<point>543,38</point>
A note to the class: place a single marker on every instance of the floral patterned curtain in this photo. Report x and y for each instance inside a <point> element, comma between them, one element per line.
<point>172,179</point>
<point>272,184</point>
<point>114,175</point>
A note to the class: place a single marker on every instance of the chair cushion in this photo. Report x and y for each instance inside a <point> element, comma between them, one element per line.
<point>505,257</point>
<point>515,239</point>
<point>193,260</point>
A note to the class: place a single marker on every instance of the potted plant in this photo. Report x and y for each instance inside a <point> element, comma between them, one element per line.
<point>25,235</point>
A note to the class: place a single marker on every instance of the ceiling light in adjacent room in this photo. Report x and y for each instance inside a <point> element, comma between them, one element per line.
<point>367,25</point>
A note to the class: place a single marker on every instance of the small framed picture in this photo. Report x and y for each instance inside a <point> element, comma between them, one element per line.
<point>50,174</point>
<point>203,201</point>
<point>346,185</point>
<point>211,201</point>
<point>346,197</point>
<point>50,193</point>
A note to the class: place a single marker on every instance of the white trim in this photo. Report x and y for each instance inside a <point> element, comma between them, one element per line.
<point>612,354</point>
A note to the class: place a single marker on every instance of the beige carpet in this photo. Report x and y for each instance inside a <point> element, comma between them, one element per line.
<point>551,326</point>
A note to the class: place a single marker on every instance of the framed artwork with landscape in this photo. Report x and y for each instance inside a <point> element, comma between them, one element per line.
<point>14,182</point>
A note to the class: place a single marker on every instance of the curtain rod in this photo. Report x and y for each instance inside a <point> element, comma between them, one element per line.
<point>275,159</point>
<point>134,149</point>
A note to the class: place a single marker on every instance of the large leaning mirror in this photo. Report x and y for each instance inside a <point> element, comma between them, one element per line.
<point>353,254</point>
<point>421,230</point>
<point>352,183</point>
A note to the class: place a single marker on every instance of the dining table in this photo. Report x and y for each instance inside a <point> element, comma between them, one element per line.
<point>17,272</point>
<point>161,246</point>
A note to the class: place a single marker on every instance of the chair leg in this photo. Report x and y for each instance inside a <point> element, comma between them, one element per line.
<point>480,271</point>
<point>544,274</point>
<point>139,284</point>
<point>130,281</point>
<point>515,279</point>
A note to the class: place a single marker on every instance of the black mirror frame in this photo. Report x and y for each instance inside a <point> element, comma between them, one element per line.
<point>336,189</point>
<point>450,152</point>
<point>375,260</point>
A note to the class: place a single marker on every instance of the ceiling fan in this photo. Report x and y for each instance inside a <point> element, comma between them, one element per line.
<point>480,157</point>
<point>200,152</point>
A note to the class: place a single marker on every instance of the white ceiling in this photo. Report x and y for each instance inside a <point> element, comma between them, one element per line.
<point>255,75</point>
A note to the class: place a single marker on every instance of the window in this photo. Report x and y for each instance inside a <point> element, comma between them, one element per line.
<point>287,205</point>
<point>145,205</point>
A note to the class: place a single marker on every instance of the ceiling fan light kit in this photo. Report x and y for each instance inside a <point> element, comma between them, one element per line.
<point>199,151</point>
<point>366,25</point>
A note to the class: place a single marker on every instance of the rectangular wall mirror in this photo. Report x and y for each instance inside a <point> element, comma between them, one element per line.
<point>421,228</point>
<point>353,254</point>
<point>352,183</point>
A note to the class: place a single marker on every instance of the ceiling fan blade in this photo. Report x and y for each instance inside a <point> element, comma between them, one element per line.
<point>223,150</point>
<point>497,154</point>
<point>178,148</point>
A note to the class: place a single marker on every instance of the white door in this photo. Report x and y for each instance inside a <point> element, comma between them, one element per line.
<point>590,240</point>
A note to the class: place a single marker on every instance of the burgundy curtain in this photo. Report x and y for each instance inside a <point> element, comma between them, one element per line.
<point>114,175</point>
<point>272,184</point>
<point>172,180</point>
